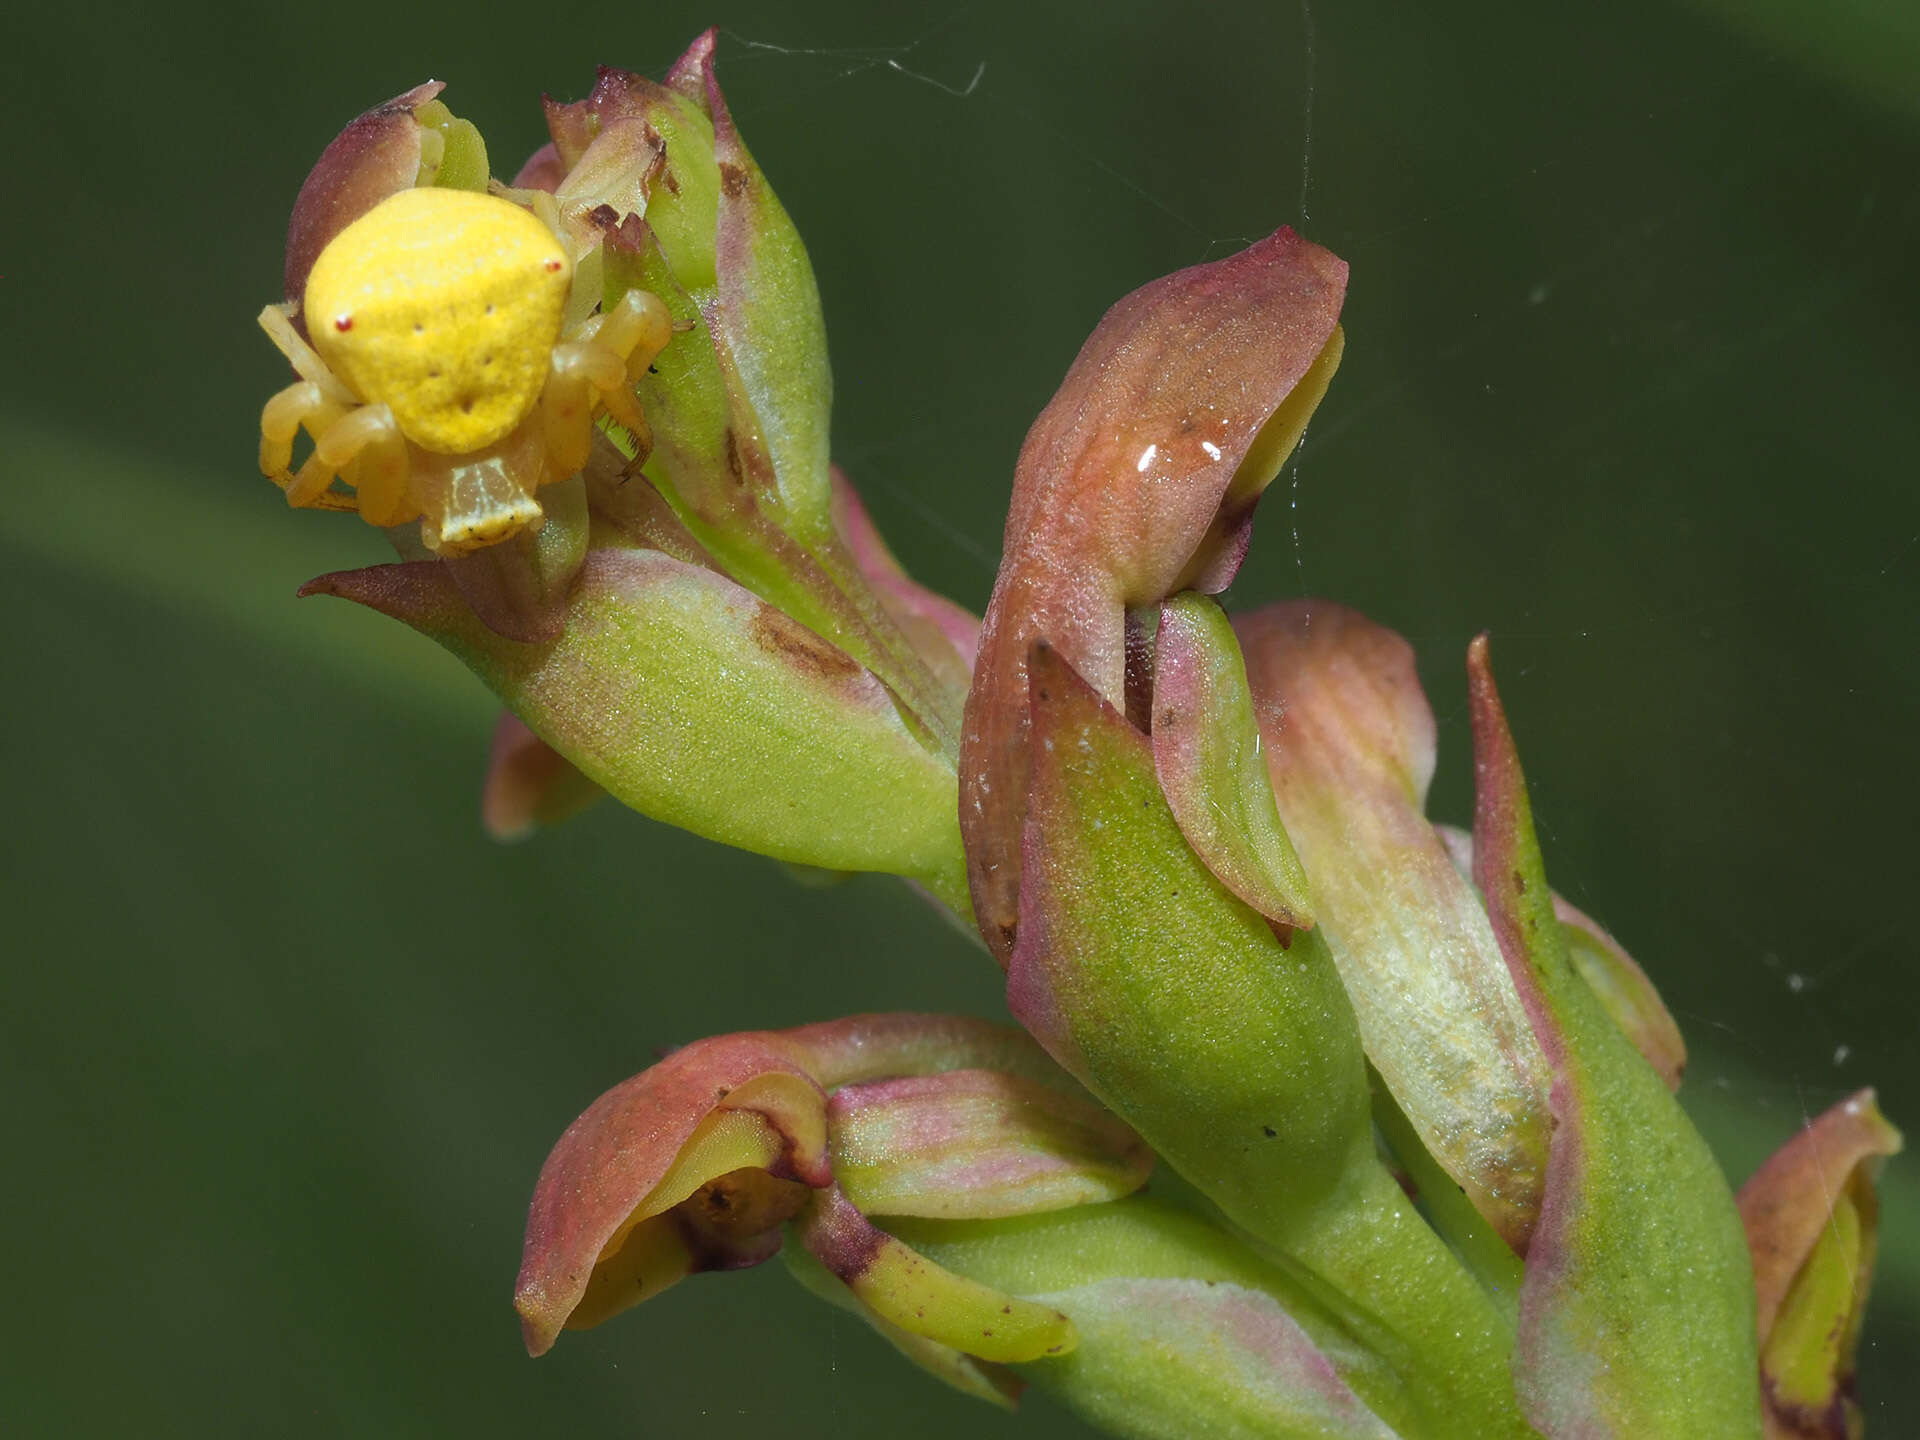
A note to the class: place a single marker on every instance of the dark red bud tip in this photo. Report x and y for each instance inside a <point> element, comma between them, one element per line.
<point>690,71</point>
<point>377,155</point>
<point>420,592</point>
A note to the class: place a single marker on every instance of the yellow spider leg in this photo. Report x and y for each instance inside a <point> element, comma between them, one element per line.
<point>325,500</point>
<point>310,482</point>
<point>608,371</point>
<point>280,421</point>
<point>306,361</point>
<point>637,329</point>
<point>598,363</point>
<point>366,447</point>
<point>380,480</point>
<point>301,403</point>
<point>566,406</point>
<point>307,488</point>
<point>335,448</point>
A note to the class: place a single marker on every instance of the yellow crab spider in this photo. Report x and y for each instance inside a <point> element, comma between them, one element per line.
<point>442,382</point>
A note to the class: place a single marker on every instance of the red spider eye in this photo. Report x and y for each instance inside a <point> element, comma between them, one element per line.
<point>343,323</point>
<point>552,265</point>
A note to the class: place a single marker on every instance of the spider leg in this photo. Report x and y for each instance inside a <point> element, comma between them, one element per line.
<point>566,404</point>
<point>610,383</point>
<point>306,361</point>
<point>302,403</point>
<point>280,421</point>
<point>598,364</point>
<point>367,448</point>
<point>637,329</point>
<point>317,401</point>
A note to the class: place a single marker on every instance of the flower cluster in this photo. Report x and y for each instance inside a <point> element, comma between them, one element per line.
<point>1433,1178</point>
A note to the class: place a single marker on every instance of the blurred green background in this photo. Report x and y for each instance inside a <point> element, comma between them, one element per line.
<point>1634,344</point>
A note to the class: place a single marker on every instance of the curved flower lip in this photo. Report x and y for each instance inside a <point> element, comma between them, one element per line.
<point>583,1203</point>
<point>1812,1219</point>
<point>696,1163</point>
<point>377,155</point>
<point>1789,1200</point>
<point>1138,479</point>
<point>981,1379</point>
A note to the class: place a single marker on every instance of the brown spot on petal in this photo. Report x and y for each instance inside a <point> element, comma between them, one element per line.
<point>734,180</point>
<point>800,647</point>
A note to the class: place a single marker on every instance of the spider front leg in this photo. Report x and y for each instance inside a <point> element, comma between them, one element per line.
<point>637,329</point>
<point>597,363</point>
<point>360,442</point>
<point>577,370</point>
<point>343,429</point>
<point>366,447</point>
<point>302,403</point>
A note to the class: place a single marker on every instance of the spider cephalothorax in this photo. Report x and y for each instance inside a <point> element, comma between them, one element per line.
<point>443,382</point>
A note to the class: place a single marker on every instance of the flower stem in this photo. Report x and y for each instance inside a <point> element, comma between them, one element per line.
<point>1410,1299</point>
